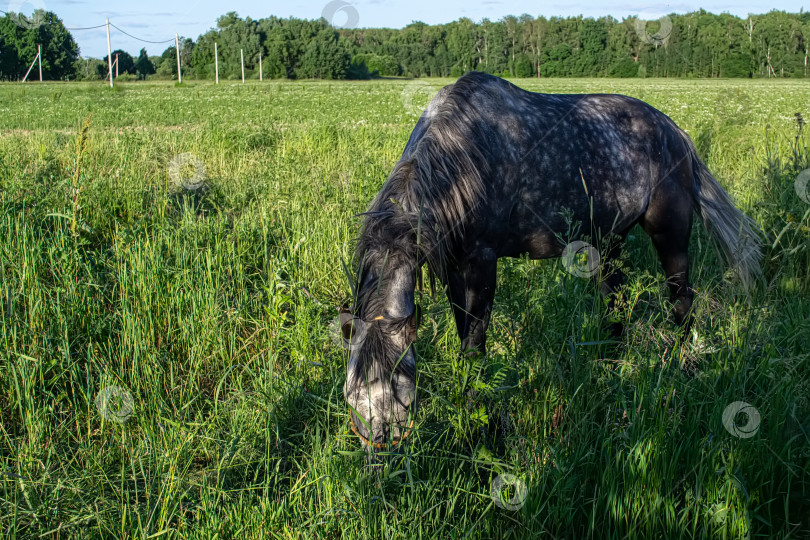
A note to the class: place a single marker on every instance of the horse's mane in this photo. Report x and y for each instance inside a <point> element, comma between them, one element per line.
<point>421,210</point>
<point>419,215</point>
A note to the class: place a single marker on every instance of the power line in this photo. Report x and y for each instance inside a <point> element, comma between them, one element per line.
<point>102,26</point>
<point>88,28</point>
<point>38,21</point>
<point>137,38</point>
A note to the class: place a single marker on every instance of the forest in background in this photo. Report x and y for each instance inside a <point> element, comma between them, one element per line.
<point>697,44</point>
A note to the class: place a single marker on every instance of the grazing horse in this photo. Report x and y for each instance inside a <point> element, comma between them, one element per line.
<point>491,171</point>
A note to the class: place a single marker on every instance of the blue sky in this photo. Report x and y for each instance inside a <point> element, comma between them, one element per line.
<point>159,20</point>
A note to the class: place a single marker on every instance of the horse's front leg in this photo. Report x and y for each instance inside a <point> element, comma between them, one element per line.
<point>611,278</point>
<point>471,291</point>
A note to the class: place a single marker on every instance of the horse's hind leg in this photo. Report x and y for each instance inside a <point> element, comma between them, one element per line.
<point>668,222</point>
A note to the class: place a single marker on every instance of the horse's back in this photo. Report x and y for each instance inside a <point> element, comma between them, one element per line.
<point>552,157</point>
<point>522,120</point>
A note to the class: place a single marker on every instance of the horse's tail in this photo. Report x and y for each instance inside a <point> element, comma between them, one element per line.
<point>736,233</point>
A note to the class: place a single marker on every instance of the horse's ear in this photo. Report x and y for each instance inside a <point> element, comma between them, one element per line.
<point>347,328</point>
<point>346,319</point>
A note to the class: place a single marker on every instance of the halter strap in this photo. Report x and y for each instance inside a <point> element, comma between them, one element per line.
<point>378,446</point>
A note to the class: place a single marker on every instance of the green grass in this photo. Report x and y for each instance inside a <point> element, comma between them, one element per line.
<point>212,307</point>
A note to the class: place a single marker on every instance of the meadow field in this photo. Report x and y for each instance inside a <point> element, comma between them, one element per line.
<point>171,267</point>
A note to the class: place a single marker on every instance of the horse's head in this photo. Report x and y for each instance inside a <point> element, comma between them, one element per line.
<point>381,380</point>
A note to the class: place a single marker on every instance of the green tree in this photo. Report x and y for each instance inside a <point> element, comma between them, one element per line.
<point>238,37</point>
<point>9,59</point>
<point>144,65</point>
<point>202,57</point>
<point>21,41</point>
<point>378,65</point>
<point>325,57</point>
<point>779,43</point>
<point>591,59</point>
<point>461,44</point>
<point>59,49</point>
<point>522,66</point>
<point>126,64</point>
<point>166,68</point>
<point>625,67</point>
<point>697,44</point>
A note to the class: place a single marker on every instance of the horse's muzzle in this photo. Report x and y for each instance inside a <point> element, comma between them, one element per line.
<point>384,438</point>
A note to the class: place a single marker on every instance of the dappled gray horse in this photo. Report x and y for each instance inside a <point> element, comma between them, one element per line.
<point>492,171</point>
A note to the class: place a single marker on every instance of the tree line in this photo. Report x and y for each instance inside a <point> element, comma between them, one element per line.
<point>20,37</point>
<point>697,44</point>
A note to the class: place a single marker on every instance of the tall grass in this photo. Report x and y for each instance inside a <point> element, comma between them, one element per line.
<point>210,308</point>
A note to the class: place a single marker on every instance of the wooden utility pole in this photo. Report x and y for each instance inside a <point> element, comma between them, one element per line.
<point>177,48</point>
<point>109,53</point>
